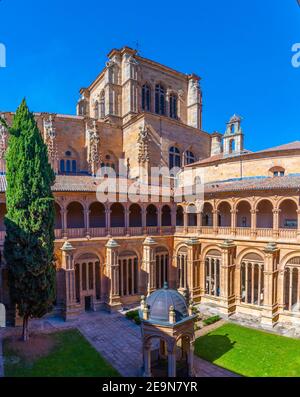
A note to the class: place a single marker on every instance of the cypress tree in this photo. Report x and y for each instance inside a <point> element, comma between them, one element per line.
<point>29,221</point>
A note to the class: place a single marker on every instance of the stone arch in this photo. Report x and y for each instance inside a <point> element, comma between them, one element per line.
<point>291,283</point>
<point>58,217</point>
<point>224,214</point>
<point>207,214</point>
<point>128,272</point>
<point>252,277</point>
<point>97,214</point>
<point>166,216</point>
<point>288,214</point>
<point>151,215</point>
<point>117,215</point>
<point>162,263</point>
<point>135,215</point>
<point>179,215</point>
<point>192,214</point>
<point>243,217</point>
<point>264,213</point>
<point>88,278</point>
<point>75,215</point>
<point>212,272</point>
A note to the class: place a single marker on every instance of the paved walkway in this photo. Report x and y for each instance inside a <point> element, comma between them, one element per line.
<point>115,337</point>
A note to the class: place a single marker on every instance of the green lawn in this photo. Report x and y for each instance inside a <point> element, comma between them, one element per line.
<point>64,353</point>
<point>250,352</point>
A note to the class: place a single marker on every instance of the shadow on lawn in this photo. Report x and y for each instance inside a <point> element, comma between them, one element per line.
<point>212,347</point>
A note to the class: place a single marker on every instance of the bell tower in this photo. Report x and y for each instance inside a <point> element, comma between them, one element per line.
<point>233,140</point>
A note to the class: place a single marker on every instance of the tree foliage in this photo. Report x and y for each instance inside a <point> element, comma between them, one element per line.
<point>29,221</point>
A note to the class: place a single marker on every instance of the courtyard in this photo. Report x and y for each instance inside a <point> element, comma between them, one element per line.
<point>103,344</point>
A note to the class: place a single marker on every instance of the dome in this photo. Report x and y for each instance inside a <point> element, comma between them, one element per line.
<point>160,301</point>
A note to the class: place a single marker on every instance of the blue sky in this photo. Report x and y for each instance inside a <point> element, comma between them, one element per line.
<point>241,49</point>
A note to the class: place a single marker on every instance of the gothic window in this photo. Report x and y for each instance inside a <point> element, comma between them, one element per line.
<point>128,280</point>
<point>189,157</point>
<point>252,279</point>
<point>146,98</point>
<point>292,285</point>
<point>102,104</point>
<point>162,263</point>
<point>212,273</point>
<point>174,157</point>
<point>173,106</point>
<point>182,267</point>
<point>96,110</point>
<point>160,99</point>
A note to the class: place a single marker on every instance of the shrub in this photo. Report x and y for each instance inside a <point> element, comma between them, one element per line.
<point>211,320</point>
<point>133,315</point>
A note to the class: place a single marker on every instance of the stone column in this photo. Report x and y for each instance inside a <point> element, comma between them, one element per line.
<point>159,220</point>
<point>171,364</point>
<point>191,372</point>
<point>107,219</point>
<point>64,225</point>
<point>144,219</point>
<point>113,301</point>
<point>233,221</point>
<point>253,223</point>
<point>173,216</point>
<point>199,222</point>
<point>87,221</point>
<point>276,223</point>
<point>227,293</point>
<point>215,221</point>
<point>71,308</point>
<point>147,361</point>
<point>270,305</point>
<point>149,265</point>
<point>185,220</point>
<point>127,220</point>
<point>193,265</point>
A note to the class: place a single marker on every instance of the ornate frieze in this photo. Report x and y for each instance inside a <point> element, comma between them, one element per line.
<point>143,142</point>
<point>50,139</point>
<point>93,143</point>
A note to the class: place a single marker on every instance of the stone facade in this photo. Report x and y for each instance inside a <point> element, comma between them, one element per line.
<point>238,252</point>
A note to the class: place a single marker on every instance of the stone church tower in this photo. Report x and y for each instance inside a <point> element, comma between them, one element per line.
<point>233,140</point>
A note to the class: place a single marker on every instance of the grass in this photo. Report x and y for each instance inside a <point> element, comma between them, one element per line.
<point>249,352</point>
<point>65,353</point>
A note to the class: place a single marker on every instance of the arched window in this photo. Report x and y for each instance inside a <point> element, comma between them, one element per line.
<point>292,285</point>
<point>252,279</point>
<point>231,146</point>
<point>162,264</point>
<point>128,280</point>
<point>276,171</point>
<point>174,157</point>
<point>102,104</point>
<point>182,267</point>
<point>189,157</point>
<point>96,110</point>
<point>173,106</point>
<point>160,106</point>
<point>87,280</point>
<point>146,98</point>
<point>212,273</point>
